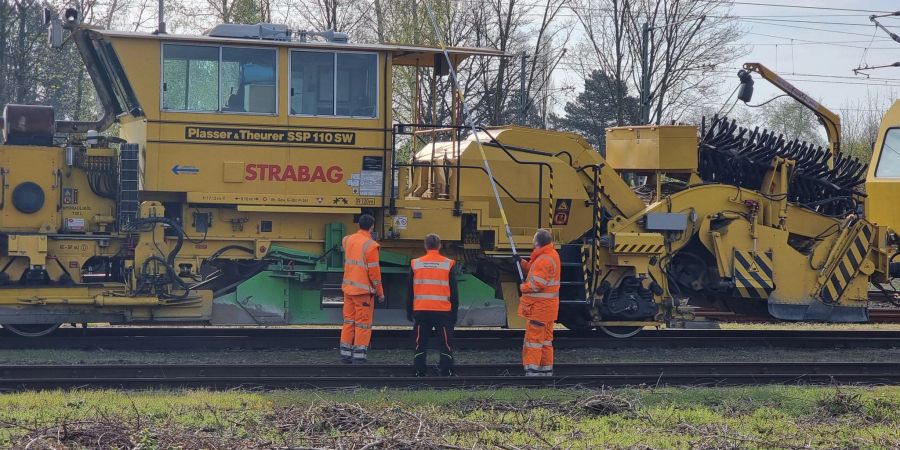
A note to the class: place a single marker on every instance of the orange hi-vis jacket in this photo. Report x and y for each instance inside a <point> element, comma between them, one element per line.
<point>540,291</point>
<point>431,282</point>
<point>362,274</point>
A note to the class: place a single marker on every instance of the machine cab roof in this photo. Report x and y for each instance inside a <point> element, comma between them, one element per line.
<point>257,74</point>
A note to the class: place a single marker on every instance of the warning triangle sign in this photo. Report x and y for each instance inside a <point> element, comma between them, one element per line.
<point>563,206</point>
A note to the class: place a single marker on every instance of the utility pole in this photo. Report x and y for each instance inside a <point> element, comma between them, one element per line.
<point>523,98</point>
<point>645,74</point>
<point>161,28</point>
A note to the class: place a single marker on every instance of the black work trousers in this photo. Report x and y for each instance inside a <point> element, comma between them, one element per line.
<point>442,323</point>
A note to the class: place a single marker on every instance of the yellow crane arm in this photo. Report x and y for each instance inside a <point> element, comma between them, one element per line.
<point>829,119</point>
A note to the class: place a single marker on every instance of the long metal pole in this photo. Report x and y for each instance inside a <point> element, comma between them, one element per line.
<point>471,123</point>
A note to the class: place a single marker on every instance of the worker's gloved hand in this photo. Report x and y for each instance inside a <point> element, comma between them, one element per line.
<point>381,299</point>
<point>517,258</point>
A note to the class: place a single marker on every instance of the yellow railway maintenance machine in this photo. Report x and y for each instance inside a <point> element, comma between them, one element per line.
<point>244,155</point>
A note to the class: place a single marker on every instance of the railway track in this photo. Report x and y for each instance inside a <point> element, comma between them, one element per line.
<point>17,378</point>
<point>209,338</point>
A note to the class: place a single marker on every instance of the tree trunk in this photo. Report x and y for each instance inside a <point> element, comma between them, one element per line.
<point>20,87</point>
<point>4,15</point>
<point>332,15</point>
<point>79,95</point>
<point>500,87</point>
<point>379,22</point>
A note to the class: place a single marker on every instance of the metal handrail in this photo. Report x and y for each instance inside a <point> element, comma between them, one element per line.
<point>511,196</point>
<point>400,129</point>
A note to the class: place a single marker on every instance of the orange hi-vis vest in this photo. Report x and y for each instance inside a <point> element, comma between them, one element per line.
<point>540,291</point>
<point>362,274</point>
<point>431,282</point>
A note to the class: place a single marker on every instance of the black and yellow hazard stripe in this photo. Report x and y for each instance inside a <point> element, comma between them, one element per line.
<point>752,274</point>
<point>639,248</point>
<point>847,268</point>
<point>551,204</point>
<point>586,272</point>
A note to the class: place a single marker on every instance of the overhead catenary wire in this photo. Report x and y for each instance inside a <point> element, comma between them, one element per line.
<point>471,123</point>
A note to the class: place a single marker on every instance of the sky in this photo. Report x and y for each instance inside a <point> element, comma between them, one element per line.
<point>815,45</point>
<point>817,49</point>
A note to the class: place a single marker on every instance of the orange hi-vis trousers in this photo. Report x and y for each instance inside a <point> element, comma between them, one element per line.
<point>356,332</point>
<point>537,351</point>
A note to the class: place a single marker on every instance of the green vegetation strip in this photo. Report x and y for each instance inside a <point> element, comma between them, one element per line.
<point>768,417</point>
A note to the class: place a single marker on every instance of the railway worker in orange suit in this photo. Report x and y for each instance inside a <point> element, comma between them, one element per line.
<point>361,285</point>
<point>433,304</point>
<point>539,305</point>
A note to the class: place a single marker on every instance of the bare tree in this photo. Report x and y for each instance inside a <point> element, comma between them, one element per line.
<point>339,15</point>
<point>861,122</point>
<point>605,24</point>
<point>690,40</point>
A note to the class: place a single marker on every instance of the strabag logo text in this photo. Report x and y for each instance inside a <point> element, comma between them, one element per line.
<point>302,174</point>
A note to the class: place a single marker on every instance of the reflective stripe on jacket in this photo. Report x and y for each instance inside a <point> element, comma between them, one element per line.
<point>540,291</point>
<point>362,274</point>
<point>431,282</point>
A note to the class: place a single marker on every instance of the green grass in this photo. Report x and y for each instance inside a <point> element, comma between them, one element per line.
<point>746,417</point>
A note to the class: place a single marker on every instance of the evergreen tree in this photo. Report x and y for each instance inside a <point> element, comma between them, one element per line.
<point>595,109</point>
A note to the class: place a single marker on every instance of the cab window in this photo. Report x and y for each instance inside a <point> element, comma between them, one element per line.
<point>248,80</point>
<point>190,77</point>
<point>356,84</point>
<point>312,83</point>
<point>889,161</point>
<point>224,79</point>
<point>334,84</point>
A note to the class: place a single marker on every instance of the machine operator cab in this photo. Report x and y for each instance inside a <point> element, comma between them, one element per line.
<point>255,116</point>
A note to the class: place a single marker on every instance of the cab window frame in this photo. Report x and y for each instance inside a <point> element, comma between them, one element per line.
<point>219,104</point>
<point>895,158</point>
<point>334,94</point>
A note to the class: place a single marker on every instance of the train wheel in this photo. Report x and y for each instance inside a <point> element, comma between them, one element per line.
<point>621,332</point>
<point>31,329</point>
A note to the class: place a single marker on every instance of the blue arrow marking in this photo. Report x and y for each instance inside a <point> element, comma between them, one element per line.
<point>178,169</point>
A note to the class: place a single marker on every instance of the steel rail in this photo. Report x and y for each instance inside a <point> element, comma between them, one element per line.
<point>192,339</point>
<point>17,378</point>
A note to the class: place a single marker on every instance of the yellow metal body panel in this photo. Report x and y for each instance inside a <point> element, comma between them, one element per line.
<point>884,193</point>
<point>419,217</point>
<point>39,165</point>
<point>666,148</point>
<point>32,247</point>
<point>511,298</point>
